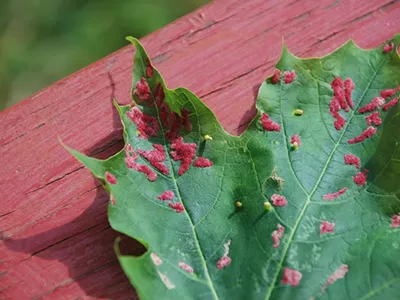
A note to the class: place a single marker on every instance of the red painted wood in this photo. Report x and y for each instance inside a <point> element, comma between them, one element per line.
<point>56,242</point>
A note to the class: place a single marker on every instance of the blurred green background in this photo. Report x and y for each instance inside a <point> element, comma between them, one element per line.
<point>42,41</point>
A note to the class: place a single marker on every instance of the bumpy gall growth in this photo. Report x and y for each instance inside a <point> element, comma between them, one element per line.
<point>185,267</point>
<point>291,277</point>
<point>351,159</point>
<point>277,75</point>
<point>374,119</point>
<point>289,76</point>
<point>388,48</point>
<point>267,206</point>
<point>338,274</point>
<point>334,195</point>
<point>277,235</point>
<point>367,133</point>
<point>143,91</point>
<point>361,178</point>
<point>374,104</point>
<point>146,125</point>
<point>295,141</point>
<point>326,227</point>
<point>167,195</point>
<point>156,157</point>
<point>149,71</point>
<point>348,88</point>
<point>391,103</point>
<point>110,178</point>
<point>268,124</point>
<point>202,162</point>
<point>278,200</point>
<point>185,152</point>
<point>225,260</point>
<point>395,221</point>
<point>389,92</point>
<point>178,207</point>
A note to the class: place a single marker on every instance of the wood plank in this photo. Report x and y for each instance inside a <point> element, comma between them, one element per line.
<point>56,242</point>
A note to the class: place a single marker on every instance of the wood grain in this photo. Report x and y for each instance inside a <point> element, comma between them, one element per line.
<point>55,239</point>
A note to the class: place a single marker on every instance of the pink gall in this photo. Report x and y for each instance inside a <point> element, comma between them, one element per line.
<point>389,92</point>
<point>376,103</point>
<point>178,207</point>
<point>333,196</point>
<point>361,178</point>
<point>225,260</point>
<point>395,221</point>
<point>185,267</point>
<point>348,89</point>
<point>391,103</point>
<point>110,178</point>
<point>373,119</point>
<point>367,133</point>
<point>167,195</point>
<point>326,227</point>
<point>295,139</point>
<point>277,235</point>
<point>338,274</point>
<point>156,158</point>
<point>202,162</point>
<point>278,200</point>
<point>289,76</point>
<point>143,92</point>
<point>275,78</point>
<point>268,124</point>
<point>351,159</point>
<point>149,71</point>
<point>388,48</point>
<point>291,277</point>
<point>185,152</point>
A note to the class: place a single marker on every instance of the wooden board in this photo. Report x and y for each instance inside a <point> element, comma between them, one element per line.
<point>55,239</point>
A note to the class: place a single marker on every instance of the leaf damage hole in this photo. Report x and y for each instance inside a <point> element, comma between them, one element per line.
<point>225,260</point>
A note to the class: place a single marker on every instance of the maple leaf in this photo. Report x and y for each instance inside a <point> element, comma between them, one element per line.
<point>304,205</point>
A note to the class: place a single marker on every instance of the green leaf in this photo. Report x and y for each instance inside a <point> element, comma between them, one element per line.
<point>221,233</point>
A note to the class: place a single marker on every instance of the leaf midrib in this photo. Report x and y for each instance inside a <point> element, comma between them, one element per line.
<point>309,196</point>
<point>173,177</point>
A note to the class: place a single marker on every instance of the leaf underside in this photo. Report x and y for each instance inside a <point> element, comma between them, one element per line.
<point>216,236</point>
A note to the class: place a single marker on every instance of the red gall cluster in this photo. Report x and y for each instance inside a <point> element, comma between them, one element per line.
<point>156,158</point>
<point>110,178</point>
<point>390,92</point>
<point>341,100</point>
<point>395,221</point>
<point>149,69</point>
<point>146,125</point>
<point>167,195</point>
<point>185,152</point>
<point>373,119</point>
<point>185,267</point>
<point>291,277</point>
<point>278,200</point>
<point>178,206</point>
<point>388,48</point>
<point>376,103</point>
<point>268,124</point>
<point>277,235</point>
<point>275,78</point>
<point>289,76</point>
<point>334,195</point>
<point>367,133</point>
<point>225,260</point>
<point>202,162</point>
<point>391,103</point>
<point>361,178</point>
<point>143,92</point>
<point>326,227</point>
<point>351,159</point>
<point>295,139</point>
<point>130,161</point>
<point>338,274</point>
